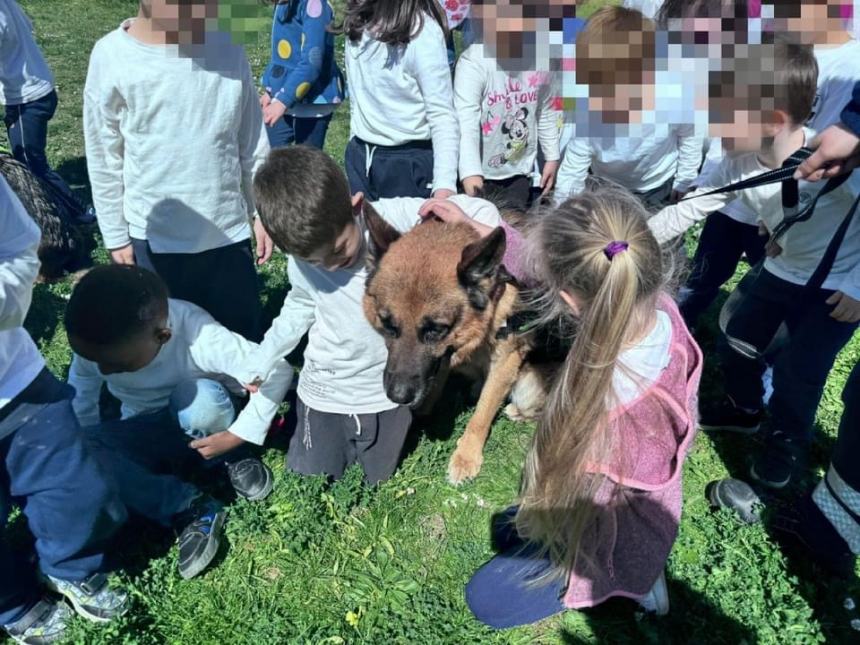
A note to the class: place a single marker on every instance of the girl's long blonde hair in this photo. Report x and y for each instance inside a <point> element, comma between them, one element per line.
<point>579,248</point>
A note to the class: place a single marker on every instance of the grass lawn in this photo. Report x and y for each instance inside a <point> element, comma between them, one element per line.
<point>345,564</point>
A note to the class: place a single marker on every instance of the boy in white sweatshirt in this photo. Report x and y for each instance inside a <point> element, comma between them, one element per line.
<point>174,131</point>
<point>759,135</point>
<point>344,414</point>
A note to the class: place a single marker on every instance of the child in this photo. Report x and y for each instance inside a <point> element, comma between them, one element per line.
<point>760,133</point>
<point>27,91</point>
<point>502,117</point>
<point>403,126</point>
<point>170,365</point>
<point>601,499</point>
<point>631,136</point>
<point>71,507</point>
<point>173,132</point>
<point>344,414</point>
<point>303,83</point>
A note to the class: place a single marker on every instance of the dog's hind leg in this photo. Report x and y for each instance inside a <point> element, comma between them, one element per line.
<point>467,459</point>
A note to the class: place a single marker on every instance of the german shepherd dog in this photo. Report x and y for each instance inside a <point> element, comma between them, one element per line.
<point>442,300</point>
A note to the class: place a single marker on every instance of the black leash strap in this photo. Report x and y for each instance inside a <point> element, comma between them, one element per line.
<point>823,269</point>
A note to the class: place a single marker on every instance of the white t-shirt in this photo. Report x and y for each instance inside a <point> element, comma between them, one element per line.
<point>345,357</point>
<point>640,366</point>
<point>802,246</point>
<point>172,142</point>
<point>503,117</point>
<point>20,361</point>
<point>403,94</point>
<point>199,348</point>
<point>24,74</point>
<point>838,72</point>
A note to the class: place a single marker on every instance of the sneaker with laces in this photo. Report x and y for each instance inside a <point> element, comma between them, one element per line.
<point>251,479</point>
<point>728,417</point>
<point>92,597</point>
<point>45,622</point>
<point>201,528</point>
<point>775,464</point>
<point>656,601</point>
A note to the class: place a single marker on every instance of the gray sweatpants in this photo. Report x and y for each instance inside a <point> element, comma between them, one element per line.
<point>328,443</point>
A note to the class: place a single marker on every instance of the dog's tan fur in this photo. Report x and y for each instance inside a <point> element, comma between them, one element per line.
<point>416,280</point>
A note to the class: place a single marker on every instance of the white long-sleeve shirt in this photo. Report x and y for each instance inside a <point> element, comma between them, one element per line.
<point>838,72</point>
<point>503,117</point>
<point>172,142</point>
<point>803,245</point>
<point>199,348</point>
<point>345,357</point>
<point>20,361</point>
<point>24,74</point>
<point>403,94</point>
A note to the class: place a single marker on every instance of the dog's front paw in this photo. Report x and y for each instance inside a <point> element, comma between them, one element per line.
<point>513,412</point>
<point>465,464</point>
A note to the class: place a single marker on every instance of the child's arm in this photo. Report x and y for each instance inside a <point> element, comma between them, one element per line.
<point>104,149</point>
<point>469,85</point>
<point>19,262</point>
<point>549,136</point>
<point>429,66</point>
<point>689,157</point>
<point>294,86</point>
<point>296,317</point>
<point>574,169</point>
<point>84,376</point>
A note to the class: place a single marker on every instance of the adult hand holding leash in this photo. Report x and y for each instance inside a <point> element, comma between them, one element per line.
<point>837,151</point>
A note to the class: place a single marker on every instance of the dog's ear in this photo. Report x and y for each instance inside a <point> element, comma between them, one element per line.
<point>382,234</point>
<point>479,263</point>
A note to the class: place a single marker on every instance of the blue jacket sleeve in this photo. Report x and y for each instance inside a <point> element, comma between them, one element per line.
<point>851,113</point>
<point>311,48</point>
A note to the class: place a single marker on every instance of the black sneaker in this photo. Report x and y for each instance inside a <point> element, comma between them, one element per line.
<point>737,496</point>
<point>775,464</point>
<point>45,622</point>
<point>202,525</point>
<point>91,598</point>
<point>726,416</point>
<point>251,479</point>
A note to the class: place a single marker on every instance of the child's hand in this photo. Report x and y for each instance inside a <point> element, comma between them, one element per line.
<point>547,177</point>
<point>265,99</point>
<point>216,444</point>
<point>473,185</point>
<point>443,193</point>
<point>254,386</point>
<point>265,246</point>
<point>450,213</point>
<point>273,112</point>
<point>771,247</point>
<point>847,309</point>
<point>123,255</point>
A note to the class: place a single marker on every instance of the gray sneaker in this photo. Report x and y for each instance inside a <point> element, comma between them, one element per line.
<point>45,622</point>
<point>251,479</point>
<point>92,598</point>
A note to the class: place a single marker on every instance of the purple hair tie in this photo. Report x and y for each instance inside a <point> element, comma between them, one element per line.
<point>614,248</point>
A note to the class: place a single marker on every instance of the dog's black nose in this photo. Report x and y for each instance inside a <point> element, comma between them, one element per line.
<point>402,388</point>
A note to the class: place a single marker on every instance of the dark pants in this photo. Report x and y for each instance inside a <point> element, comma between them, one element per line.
<point>389,171</point>
<point>721,245</point>
<point>801,366</point>
<point>499,593</point>
<point>222,281</point>
<point>292,130</point>
<point>71,506</point>
<point>327,443</point>
<point>847,448</point>
<point>27,127</point>
<point>513,192</point>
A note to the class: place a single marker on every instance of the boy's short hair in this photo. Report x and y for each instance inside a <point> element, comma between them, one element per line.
<point>726,9</point>
<point>115,303</point>
<point>782,75</point>
<point>302,198</point>
<point>616,47</point>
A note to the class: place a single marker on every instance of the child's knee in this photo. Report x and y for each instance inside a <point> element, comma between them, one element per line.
<point>202,407</point>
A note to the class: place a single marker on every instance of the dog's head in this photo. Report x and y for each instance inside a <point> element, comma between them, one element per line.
<point>429,294</point>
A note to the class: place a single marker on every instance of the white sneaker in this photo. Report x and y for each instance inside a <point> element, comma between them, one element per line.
<point>656,601</point>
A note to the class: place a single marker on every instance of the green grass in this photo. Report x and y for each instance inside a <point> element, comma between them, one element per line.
<point>346,564</point>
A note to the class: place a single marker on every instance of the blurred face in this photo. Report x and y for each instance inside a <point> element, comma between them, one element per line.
<point>743,130</point>
<point>622,103</point>
<point>342,253</point>
<point>815,21</point>
<point>183,22</point>
<point>129,355</point>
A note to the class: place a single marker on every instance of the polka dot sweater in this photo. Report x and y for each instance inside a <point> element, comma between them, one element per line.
<point>303,69</point>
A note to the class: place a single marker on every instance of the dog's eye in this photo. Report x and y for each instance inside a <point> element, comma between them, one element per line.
<point>389,328</point>
<point>434,332</point>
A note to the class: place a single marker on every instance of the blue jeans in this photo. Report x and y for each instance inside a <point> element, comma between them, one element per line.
<point>71,505</point>
<point>721,245</point>
<point>291,130</point>
<point>801,366</point>
<point>144,451</point>
<point>27,128</point>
